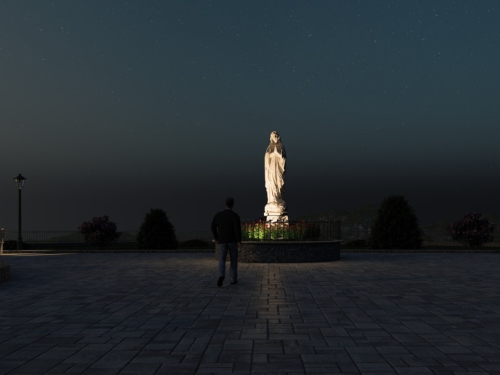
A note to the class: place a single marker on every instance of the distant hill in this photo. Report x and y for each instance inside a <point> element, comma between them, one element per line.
<point>357,222</point>
<point>76,237</point>
<point>364,215</point>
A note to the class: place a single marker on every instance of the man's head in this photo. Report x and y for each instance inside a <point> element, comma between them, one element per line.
<point>229,203</point>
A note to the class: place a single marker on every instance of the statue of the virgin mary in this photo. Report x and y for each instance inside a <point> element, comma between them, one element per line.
<point>274,167</point>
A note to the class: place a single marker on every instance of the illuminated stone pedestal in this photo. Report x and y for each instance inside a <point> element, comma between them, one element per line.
<point>283,218</point>
<point>288,251</point>
<point>276,212</point>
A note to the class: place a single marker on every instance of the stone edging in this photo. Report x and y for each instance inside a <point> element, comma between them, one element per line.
<point>59,251</point>
<point>4,272</point>
<point>74,251</point>
<point>435,251</point>
<point>287,251</point>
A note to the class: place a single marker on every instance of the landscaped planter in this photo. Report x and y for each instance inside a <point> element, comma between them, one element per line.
<point>287,251</point>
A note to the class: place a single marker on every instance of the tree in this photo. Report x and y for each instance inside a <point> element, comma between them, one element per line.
<point>474,230</point>
<point>156,231</point>
<point>100,231</point>
<point>395,226</point>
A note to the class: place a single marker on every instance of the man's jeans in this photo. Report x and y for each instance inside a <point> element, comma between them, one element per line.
<point>233,253</point>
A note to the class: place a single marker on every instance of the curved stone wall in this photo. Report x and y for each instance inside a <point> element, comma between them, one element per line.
<point>288,251</point>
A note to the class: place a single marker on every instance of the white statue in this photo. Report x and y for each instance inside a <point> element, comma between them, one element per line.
<point>274,166</point>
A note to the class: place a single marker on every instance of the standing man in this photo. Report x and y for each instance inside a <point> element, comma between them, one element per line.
<point>226,229</point>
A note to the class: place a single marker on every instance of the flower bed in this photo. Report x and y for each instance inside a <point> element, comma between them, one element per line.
<point>284,231</point>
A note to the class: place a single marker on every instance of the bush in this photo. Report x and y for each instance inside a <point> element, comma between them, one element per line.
<point>474,230</point>
<point>156,231</point>
<point>99,232</point>
<point>395,226</point>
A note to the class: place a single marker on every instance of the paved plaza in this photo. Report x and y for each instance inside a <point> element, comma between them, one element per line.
<point>164,314</point>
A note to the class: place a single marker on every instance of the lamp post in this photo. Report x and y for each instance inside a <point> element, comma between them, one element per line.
<point>19,180</point>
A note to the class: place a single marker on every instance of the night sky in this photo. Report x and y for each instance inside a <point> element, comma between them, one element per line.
<point>115,107</point>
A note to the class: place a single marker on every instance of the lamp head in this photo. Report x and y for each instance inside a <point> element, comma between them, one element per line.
<point>19,181</point>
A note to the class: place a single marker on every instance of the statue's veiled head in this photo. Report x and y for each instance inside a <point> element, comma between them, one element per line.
<point>276,144</point>
<point>275,137</point>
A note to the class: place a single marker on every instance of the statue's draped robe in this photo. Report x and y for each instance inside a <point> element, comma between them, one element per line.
<point>275,160</point>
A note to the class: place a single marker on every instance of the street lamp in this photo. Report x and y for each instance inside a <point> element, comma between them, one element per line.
<point>19,180</point>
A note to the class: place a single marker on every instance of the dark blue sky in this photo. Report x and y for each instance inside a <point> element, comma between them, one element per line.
<point>115,107</point>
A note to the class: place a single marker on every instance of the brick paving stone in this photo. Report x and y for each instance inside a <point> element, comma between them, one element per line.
<point>467,357</point>
<point>490,366</point>
<point>8,366</point>
<point>60,368</point>
<point>58,352</point>
<point>180,368</point>
<point>422,362</point>
<point>415,371</point>
<point>285,358</point>
<point>322,368</point>
<point>163,314</point>
<point>216,367</point>
<point>100,371</point>
<point>242,367</point>
<point>78,368</point>
<point>37,366</point>
<point>116,359</point>
<point>326,358</point>
<point>157,357</point>
<point>235,356</point>
<point>86,356</point>
<point>484,350</point>
<point>25,354</point>
<point>258,367</point>
<point>375,367</point>
<point>299,350</point>
<point>132,344</point>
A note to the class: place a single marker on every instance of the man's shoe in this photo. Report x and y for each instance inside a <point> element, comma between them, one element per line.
<point>220,281</point>
<point>234,282</point>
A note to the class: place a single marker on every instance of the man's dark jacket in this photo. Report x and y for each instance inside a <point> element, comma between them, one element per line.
<point>226,226</point>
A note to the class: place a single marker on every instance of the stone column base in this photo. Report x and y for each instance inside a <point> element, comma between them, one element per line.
<point>273,218</point>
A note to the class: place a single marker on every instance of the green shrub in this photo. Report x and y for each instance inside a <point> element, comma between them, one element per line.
<point>395,226</point>
<point>156,231</point>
